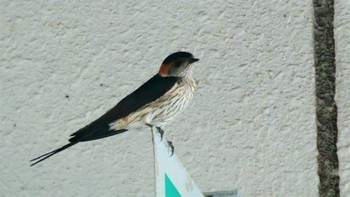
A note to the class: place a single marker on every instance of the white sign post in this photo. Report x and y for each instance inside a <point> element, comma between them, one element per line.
<point>172,179</point>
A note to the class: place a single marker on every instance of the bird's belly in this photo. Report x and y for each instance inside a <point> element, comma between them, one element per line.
<point>164,109</point>
<point>169,106</point>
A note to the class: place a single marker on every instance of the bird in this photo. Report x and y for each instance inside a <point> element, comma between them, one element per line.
<point>155,103</point>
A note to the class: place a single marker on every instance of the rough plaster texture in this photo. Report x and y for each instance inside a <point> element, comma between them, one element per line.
<point>342,47</point>
<point>251,127</point>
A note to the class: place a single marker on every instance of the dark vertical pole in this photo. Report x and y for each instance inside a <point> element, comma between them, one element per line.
<point>326,108</point>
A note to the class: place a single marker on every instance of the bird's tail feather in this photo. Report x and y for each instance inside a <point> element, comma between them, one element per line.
<point>49,154</point>
<point>86,135</point>
<point>79,136</point>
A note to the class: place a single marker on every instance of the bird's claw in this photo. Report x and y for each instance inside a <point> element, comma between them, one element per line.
<point>172,148</point>
<point>161,132</point>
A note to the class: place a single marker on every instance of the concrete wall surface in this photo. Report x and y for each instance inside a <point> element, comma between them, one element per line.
<point>250,127</point>
<point>342,47</point>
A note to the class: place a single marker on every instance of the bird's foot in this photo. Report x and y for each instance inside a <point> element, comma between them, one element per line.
<point>172,148</point>
<point>161,132</point>
<point>151,126</point>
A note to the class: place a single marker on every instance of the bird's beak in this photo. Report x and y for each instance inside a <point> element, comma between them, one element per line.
<point>194,60</point>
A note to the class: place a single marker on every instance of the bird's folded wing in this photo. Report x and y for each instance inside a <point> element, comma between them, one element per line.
<point>150,91</point>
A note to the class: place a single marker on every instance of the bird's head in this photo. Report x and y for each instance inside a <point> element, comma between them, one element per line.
<point>177,65</point>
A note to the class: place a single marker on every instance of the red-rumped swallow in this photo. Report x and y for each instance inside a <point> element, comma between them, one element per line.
<point>155,103</point>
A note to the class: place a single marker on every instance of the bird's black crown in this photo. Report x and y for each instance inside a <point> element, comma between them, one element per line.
<point>180,55</point>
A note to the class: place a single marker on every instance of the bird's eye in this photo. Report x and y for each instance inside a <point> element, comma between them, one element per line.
<point>177,64</point>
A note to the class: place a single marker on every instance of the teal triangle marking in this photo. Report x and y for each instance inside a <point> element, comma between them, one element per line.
<point>170,189</point>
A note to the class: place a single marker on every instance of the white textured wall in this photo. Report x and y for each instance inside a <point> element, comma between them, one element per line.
<point>342,41</point>
<point>251,126</point>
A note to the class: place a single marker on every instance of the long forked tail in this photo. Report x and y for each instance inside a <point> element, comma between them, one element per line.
<point>49,154</point>
<point>79,136</point>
